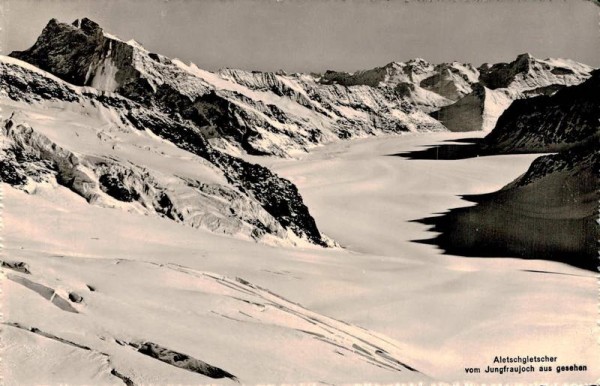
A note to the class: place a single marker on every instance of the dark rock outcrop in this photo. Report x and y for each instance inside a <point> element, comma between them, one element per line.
<point>75,297</point>
<point>70,61</point>
<point>19,266</point>
<point>182,361</point>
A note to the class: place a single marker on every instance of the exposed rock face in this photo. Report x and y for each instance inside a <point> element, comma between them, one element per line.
<point>87,141</point>
<point>502,75</point>
<point>260,113</point>
<point>504,83</point>
<point>68,61</point>
<point>19,266</point>
<point>180,360</point>
<point>282,114</point>
<point>550,123</point>
<point>75,297</point>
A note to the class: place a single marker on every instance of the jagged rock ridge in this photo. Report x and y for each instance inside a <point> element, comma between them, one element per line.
<point>261,113</point>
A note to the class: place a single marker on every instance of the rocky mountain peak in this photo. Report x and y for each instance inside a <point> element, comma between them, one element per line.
<point>525,57</point>
<point>89,27</point>
<point>501,75</point>
<point>66,50</point>
<point>523,62</point>
<point>418,63</point>
<point>411,68</point>
<point>529,70</point>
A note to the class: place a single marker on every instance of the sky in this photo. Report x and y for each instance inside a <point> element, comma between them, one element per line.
<point>304,35</point>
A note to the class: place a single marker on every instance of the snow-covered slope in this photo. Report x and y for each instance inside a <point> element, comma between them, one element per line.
<point>502,83</point>
<point>120,307</point>
<point>150,286</point>
<point>259,113</point>
<point>114,152</point>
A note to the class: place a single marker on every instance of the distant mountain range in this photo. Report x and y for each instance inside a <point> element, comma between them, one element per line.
<point>109,120</point>
<point>279,113</point>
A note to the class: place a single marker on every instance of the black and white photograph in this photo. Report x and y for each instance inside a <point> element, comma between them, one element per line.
<point>336,192</point>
